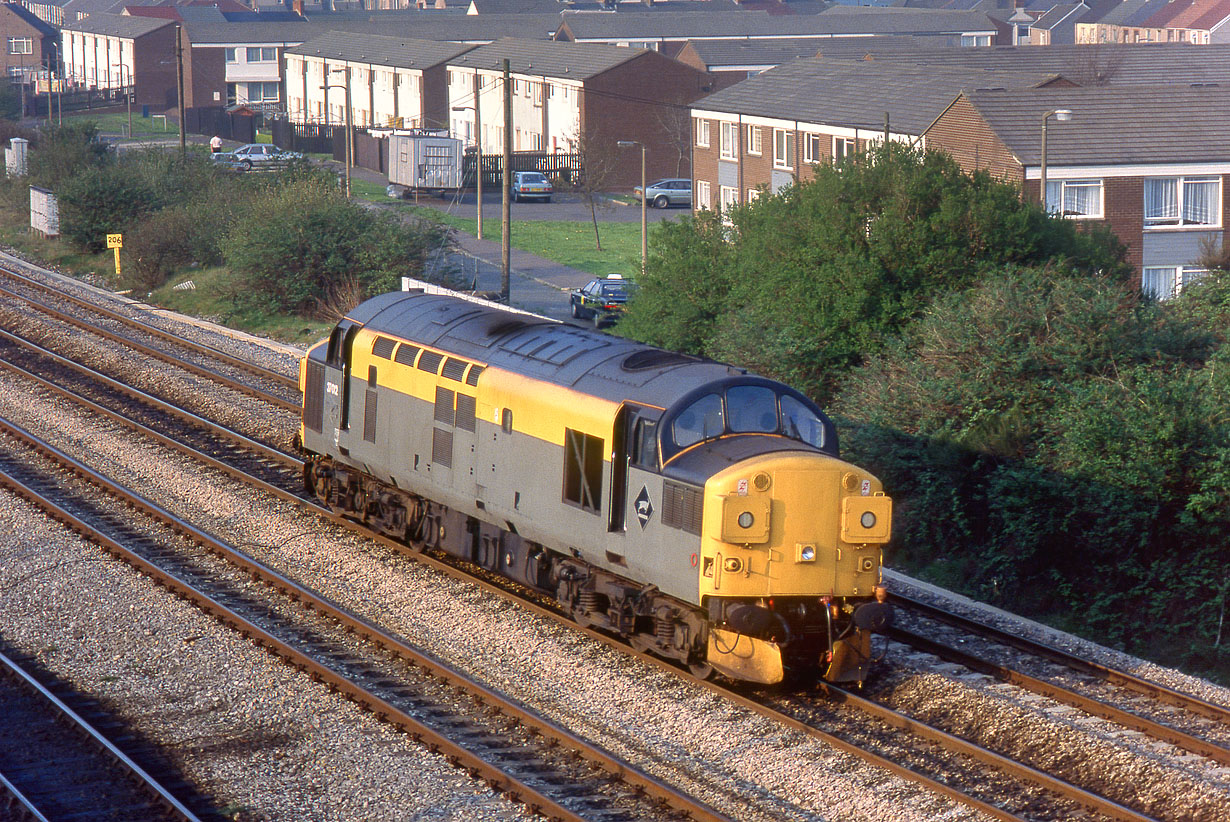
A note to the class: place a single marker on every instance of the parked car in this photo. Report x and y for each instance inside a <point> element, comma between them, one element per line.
<point>601,300</point>
<point>669,192</point>
<point>227,160</point>
<point>258,153</point>
<point>531,185</point>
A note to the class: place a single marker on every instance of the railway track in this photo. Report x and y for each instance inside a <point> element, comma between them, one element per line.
<point>1026,802</point>
<point>520,754</point>
<point>179,351</point>
<point>43,738</point>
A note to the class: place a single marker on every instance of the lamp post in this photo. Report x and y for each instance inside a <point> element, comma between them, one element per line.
<point>478,165</point>
<point>644,199</point>
<point>1062,115</point>
<point>127,93</point>
<point>326,88</point>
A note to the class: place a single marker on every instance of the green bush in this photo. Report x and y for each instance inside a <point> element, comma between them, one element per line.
<point>802,284</point>
<point>1056,447</point>
<point>102,200</point>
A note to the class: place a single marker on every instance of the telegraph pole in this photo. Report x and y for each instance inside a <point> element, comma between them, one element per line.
<point>179,79</point>
<point>506,206</point>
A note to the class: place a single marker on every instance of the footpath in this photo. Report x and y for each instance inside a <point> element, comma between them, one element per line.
<point>535,284</point>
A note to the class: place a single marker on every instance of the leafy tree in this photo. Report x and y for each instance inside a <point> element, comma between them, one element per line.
<point>101,200</point>
<point>293,246</point>
<point>65,151</point>
<point>813,278</point>
<point>1058,447</point>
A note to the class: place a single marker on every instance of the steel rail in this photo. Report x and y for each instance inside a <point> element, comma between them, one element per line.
<point>160,355</point>
<point>1060,694</point>
<point>1113,676</point>
<point>494,776</point>
<point>200,348</point>
<point>19,806</point>
<point>137,394</point>
<point>146,782</point>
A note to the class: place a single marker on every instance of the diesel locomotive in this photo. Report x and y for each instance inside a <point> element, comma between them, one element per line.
<point>695,509</point>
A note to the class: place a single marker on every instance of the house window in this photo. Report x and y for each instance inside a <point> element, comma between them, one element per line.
<point>702,133</point>
<point>537,93</point>
<point>811,148</point>
<point>730,198</point>
<point>975,40</point>
<point>1074,198</point>
<point>728,136</point>
<point>1180,201</point>
<point>843,147</point>
<point>1163,282</point>
<point>783,148</point>
<point>753,140</point>
<point>704,194</point>
<point>262,54</point>
<point>21,45</point>
<point>753,194</point>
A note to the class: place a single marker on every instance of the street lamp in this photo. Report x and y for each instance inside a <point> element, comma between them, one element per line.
<point>644,198</point>
<point>1062,115</point>
<point>326,87</point>
<point>478,157</point>
<point>127,93</point>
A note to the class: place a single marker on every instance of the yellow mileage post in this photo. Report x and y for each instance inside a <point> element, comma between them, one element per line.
<point>116,241</point>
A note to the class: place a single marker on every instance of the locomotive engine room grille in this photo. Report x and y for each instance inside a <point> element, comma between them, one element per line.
<point>430,361</point>
<point>442,447</point>
<point>314,397</point>
<point>369,416</point>
<point>466,412</point>
<point>681,506</point>
<point>406,353</point>
<point>383,347</point>
<point>444,406</point>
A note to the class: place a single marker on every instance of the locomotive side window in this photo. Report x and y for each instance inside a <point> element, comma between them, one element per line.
<point>645,444</point>
<point>583,470</point>
<point>752,409</point>
<point>798,422</point>
<point>700,420</point>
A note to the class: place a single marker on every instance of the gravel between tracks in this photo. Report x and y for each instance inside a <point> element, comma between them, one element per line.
<point>59,599</point>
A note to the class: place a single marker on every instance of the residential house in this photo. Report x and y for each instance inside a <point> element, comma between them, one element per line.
<point>113,51</point>
<point>772,129</point>
<point>30,43</point>
<point>1158,21</point>
<point>570,97</point>
<point>1119,161</point>
<point>395,81</point>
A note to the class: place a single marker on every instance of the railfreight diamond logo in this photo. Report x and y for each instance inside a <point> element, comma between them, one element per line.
<point>644,508</point>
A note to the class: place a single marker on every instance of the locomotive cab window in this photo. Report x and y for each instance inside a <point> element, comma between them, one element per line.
<point>800,423</point>
<point>752,409</point>
<point>699,421</point>
<point>583,470</point>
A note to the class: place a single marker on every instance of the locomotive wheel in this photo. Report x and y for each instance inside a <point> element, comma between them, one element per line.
<point>701,670</point>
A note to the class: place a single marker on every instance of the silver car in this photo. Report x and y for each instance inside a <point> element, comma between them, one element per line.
<point>263,153</point>
<point>667,192</point>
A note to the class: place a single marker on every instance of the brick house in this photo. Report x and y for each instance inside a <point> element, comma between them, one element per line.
<point>29,43</point>
<point>772,129</point>
<point>392,80</point>
<point>569,95</point>
<point>111,51</point>
<point>1119,161</point>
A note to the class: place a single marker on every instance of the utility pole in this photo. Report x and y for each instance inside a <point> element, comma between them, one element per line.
<point>179,79</point>
<point>506,206</point>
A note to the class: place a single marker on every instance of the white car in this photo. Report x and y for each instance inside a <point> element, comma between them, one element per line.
<point>531,185</point>
<point>258,153</point>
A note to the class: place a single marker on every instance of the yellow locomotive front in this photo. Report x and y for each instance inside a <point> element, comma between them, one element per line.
<point>789,565</point>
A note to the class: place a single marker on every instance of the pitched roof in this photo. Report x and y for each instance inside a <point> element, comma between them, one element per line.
<point>397,52</point>
<point>1111,64</point>
<point>457,28</point>
<point>1107,126</point>
<point>750,53</point>
<point>577,61</point>
<point>29,18</point>
<point>1163,16</point>
<point>834,21</point>
<point>856,94</point>
<point>118,25</point>
<point>1057,14</point>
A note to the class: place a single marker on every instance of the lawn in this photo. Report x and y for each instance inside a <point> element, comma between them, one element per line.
<point>116,122</point>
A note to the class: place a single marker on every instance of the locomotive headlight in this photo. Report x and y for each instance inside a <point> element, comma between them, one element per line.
<point>746,519</point>
<point>868,520</point>
<point>807,553</point>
